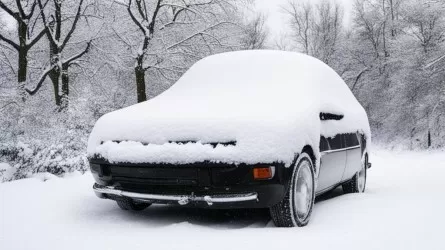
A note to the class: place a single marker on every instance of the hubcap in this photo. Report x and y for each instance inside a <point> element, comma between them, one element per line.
<point>303,190</point>
<point>362,178</point>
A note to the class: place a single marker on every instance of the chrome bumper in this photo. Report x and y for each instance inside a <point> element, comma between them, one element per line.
<point>181,199</point>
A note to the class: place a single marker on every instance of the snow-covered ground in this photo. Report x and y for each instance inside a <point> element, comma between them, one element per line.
<point>403,208</point>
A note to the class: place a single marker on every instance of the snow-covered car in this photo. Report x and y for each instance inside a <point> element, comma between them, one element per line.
<point>251,129</point>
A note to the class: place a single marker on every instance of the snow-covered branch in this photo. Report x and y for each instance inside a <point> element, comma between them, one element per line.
<point>79,55</point>
<point>9,41</point>
<point>199,33</point>
<point>8,10</point>
<point>40,81</point>
<point>73,26</point>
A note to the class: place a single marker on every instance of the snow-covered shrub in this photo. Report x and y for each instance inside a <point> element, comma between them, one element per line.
<point>6,172</point>
<point>37,156</point>
<point>52,141</point>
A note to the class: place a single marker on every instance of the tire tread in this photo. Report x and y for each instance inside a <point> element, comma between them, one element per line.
<point>282,213</point>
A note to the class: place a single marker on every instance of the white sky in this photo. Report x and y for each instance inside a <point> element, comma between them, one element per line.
<point>276,20</point>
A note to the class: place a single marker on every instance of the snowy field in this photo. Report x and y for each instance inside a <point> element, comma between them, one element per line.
<point>403,208</point>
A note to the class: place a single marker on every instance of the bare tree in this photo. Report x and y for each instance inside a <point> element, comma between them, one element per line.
<point>282,42</point>
<point>27,37</point>
<point>59,65</point>
<point>316,28</point>
<point>256,33</point>
<point>369,25</point>
<point>196,23</point>
<point>425,23</point>
<point>301,21</point>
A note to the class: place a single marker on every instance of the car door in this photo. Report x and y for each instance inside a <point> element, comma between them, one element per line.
<point>353,155</point>
<point>333,161</point>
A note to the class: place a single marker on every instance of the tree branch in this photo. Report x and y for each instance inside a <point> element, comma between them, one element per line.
<point>40,82</point>
<point>20,8</point>
<point>184,8</point>
<point>47,29</point>
<point>135,20</point>
<point>8,62</point>
<point>36,39</point>
<point>10,103</point>
<point>8,10</point>
<point>151,26</point>
<point>198,33</point>
<point>68,62</point>
<point>73,27</point>
<point>429,65</point>
<point>32,10</point>
<point>140,9</point>
<point>10,42</point>
<point>358,78</point>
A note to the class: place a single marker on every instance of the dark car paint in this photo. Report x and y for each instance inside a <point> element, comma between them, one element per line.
<point>197,179</point>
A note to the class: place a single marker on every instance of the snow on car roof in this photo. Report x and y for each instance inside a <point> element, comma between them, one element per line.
<point>268,102</point>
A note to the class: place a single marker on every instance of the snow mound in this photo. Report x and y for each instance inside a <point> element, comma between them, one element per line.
<point>247,106</point>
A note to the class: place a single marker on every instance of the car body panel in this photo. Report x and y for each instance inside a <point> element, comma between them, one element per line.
<point>353,163</point>
<point>331,169</point>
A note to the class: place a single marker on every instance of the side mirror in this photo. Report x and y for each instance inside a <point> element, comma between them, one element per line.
<point>330,117</point>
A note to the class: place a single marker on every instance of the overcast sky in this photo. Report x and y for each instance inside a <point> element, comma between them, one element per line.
<point>276,20</point>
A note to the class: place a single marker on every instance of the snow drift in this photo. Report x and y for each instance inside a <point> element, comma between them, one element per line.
<point>247,106</point>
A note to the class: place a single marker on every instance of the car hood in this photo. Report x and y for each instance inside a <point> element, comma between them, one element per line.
<point>187,133</point>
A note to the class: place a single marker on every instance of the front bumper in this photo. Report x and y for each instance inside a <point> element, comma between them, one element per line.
<point>208,185</point>
<point>180,199</point>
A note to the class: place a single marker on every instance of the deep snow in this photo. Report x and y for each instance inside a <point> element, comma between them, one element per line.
<point>403,208</point>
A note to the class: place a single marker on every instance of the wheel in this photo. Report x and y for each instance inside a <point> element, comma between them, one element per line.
<point>296,207</point>
<point>129,204</point>
<point>358,183</point>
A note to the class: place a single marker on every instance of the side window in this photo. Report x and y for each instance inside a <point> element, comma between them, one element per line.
<point>324,146</point>
<point>351,140</point>
<point>336,142</point>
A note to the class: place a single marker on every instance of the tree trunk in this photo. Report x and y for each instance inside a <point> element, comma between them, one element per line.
<point>429,138</point>
<point>22,72</point>
<point>140,72</point>
<point>54,76</point>
<point>140,83</point>
<point>65,87</point>
<point>393,30</point>
<point>23,60</point>
<point>385,50</point>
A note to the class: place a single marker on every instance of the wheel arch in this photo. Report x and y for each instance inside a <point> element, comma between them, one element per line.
<point>308,149</point>
<point>289,171</point>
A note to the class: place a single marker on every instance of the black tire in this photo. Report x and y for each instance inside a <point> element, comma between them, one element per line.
<point>284,214</point>
<point>353,186</point>
<point>129,204</point>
